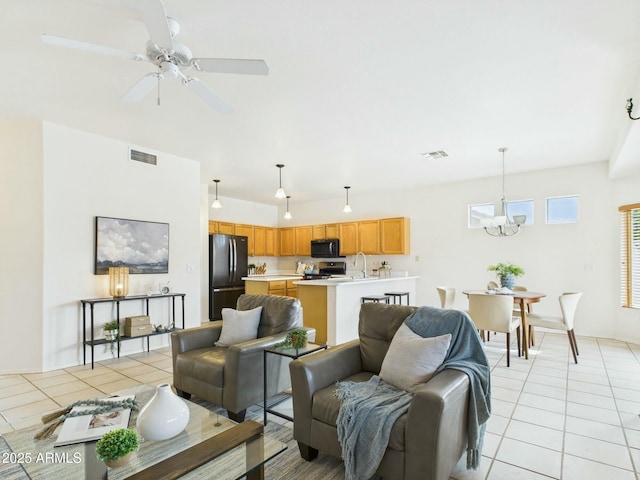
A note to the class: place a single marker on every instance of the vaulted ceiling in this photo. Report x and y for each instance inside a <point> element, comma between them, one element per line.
<point>357,90</point>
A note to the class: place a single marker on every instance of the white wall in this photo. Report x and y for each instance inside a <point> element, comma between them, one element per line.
<point>21,245</point>
<point>83,176</point>
<point>574,257</point>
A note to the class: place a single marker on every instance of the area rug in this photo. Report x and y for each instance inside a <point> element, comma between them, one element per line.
<point>288,465</point>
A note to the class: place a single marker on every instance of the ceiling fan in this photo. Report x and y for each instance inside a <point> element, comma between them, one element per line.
<point>171,58</point>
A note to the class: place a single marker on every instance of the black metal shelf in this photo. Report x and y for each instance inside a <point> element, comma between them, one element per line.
<point>92,342</point>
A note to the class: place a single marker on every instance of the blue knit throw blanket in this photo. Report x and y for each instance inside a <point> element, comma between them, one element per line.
<point>467,355</point>
<point>367,413</point>
<point>369,409</point>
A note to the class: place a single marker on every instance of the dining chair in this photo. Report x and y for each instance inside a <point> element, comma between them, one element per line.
<point>495,313</point>
<point>447,296</point>
<point>568,304</point>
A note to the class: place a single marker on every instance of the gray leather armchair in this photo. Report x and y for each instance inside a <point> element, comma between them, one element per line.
<point>425,443</point>
<point>232,377</point>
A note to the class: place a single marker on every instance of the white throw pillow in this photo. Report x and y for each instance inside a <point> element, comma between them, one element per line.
<point>412,359</point>
<point>239,326</point>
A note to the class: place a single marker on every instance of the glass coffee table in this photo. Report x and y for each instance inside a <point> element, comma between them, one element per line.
<point>238,450</point>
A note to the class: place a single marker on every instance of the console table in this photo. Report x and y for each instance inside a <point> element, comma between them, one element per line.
<point>92,341</point>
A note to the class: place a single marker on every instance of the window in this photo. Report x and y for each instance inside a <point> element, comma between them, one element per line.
<point>521,207</point>
<point>479,212</point>
<point>630,253</point>
<point>562,209</point>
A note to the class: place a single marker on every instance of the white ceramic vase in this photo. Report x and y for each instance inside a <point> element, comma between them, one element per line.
<point>164,416</point>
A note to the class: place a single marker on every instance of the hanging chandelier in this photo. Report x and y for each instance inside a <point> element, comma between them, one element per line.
<point>501,225</point>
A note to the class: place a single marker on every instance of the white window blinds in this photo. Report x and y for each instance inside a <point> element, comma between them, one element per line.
<point>630,255</point>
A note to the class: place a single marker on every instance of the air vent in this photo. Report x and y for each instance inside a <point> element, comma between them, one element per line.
<point>435,155</point>
<point>143,157</point>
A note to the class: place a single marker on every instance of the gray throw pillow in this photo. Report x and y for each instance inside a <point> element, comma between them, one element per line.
<point>412,359</point>
<point>239,326</point>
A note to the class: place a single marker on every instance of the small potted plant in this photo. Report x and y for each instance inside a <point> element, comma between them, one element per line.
<point>296,338</point>
<point>111,334</point>
<point>111,330</point>
<point>507,273</point>
<point>116,447</point>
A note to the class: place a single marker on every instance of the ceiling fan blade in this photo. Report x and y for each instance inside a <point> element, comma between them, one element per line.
<point>155,18</point>
<point>89,47</point>
<point>204,92</point>
<point>140,88</point>
<point>232,65</point>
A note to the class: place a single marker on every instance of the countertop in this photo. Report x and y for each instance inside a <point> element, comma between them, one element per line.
<point>271,278</point>
<point>348,281</point>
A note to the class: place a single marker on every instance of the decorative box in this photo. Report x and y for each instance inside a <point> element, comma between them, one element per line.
<point>138,330</point>
<point>136,321</point>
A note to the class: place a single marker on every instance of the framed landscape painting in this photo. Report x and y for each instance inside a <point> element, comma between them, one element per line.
<point>141,246</point>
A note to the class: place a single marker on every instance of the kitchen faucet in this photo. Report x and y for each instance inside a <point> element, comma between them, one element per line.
<point>364,261</point>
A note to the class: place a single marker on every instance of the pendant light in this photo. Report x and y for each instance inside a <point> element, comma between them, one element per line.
<point>347,207</point>
<point>501,225</point>
<point>280,193</point>
<point>216,203</point>
<point>287,214</point>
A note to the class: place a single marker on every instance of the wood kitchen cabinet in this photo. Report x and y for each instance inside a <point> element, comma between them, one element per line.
<point>221,227</point>
<point>271,242</point>
<point>348,235</point>
<point>226,228</point>
<point>332,231</point>
<point>395,236</point>
<point>259,241</point>
<point>246,231</point>
<point>287,241</point>
<point>369,237</point>
<point>303,241</point>
<point>292,290</point>
<point>318,232</point>
<point>275,287</point>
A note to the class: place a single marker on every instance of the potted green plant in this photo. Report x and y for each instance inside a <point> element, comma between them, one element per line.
<point>507,273</point>
<point>116,447</point>
<point>296,338</point>
<point>111,334</point>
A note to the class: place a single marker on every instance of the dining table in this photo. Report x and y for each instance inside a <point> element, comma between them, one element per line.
<point>523,298</point>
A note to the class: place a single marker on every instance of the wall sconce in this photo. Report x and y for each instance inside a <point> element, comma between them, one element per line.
<point>629,108</point>
<point>118,281</point>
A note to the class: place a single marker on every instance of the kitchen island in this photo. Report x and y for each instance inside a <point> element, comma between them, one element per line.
<point>271,285</point>
<point>332,306</point>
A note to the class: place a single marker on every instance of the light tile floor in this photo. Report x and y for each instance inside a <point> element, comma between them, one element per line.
<point>551,418</point>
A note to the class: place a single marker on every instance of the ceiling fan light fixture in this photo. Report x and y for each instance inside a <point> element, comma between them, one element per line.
<point>280,193</point>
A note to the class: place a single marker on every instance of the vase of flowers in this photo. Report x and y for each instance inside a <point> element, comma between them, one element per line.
<point>507,273</point>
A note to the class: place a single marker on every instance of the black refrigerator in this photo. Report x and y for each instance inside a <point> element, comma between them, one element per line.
<point>228,260</point>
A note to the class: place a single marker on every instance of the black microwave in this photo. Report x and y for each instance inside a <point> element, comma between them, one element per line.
<point>327,248</point>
